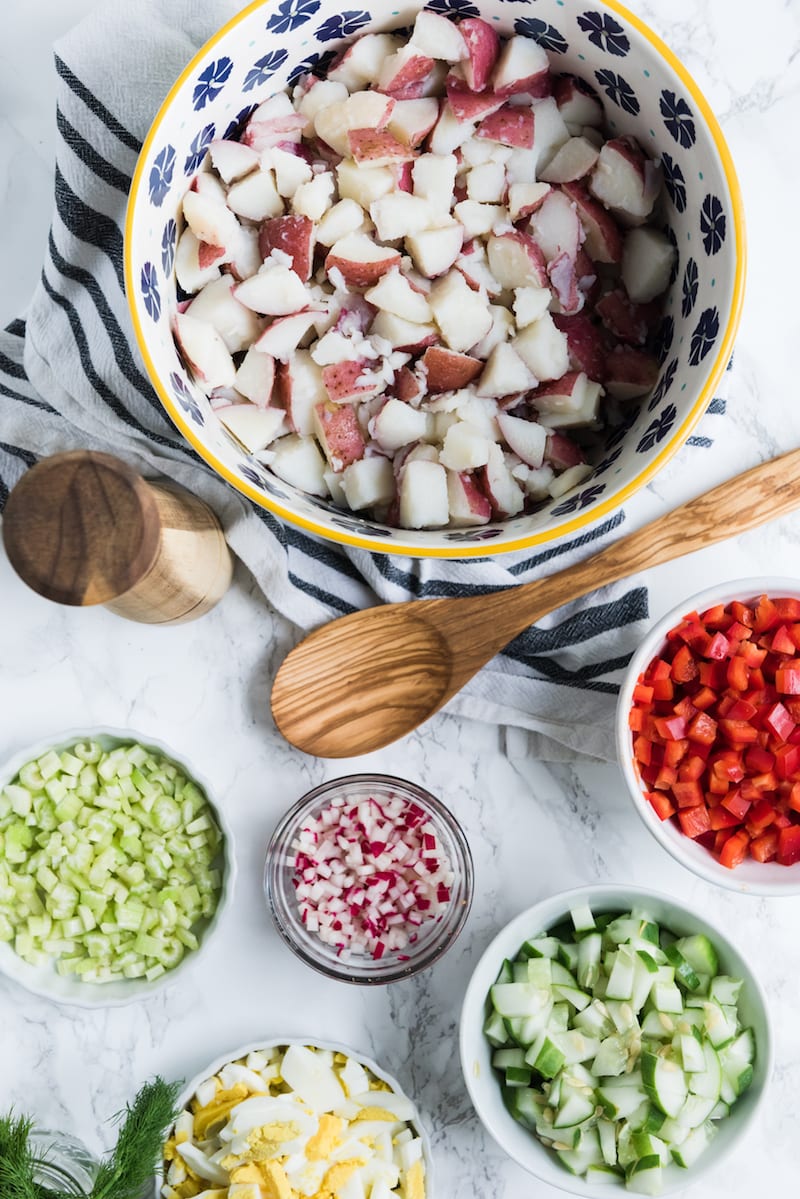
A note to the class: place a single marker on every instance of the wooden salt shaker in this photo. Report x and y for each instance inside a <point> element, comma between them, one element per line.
<point>83,528</point>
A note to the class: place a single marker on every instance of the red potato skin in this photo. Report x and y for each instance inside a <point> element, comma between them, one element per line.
<point>603,236</point>
<point>207,254</point>
<point>587,347</point>
<point>448,370</point>
<point>368,144</point>
<point>556,387</point>
<point>342,433</point>
<point>483,44</point>
<point>406,386</point>
<point>538,87</point>
<point>565,87</point>
<point>631,323</point>
<point>564,281</point>
<point>404,177</point>
<point>533,251</point>
<point>292,235</point>
<point>479,505</point>
<point>588,278</point>
<point>362,274</point>
<point>340,380</point>
<point>467,105</point>
<point>410,78</point>
<point>511,126</point>
<point>561,452</point>
<point>630,367</point>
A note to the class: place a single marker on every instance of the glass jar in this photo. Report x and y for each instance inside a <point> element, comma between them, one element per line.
<point>63,1163</point>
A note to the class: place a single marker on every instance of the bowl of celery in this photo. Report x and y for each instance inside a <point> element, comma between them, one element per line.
<point>115,867</point>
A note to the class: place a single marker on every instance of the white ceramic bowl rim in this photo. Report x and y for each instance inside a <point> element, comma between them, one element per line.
<point>751,877</point>
<point>656,440</point>
<point>44,980</point>
<point>475,1052</point>
<point>336,1047</point>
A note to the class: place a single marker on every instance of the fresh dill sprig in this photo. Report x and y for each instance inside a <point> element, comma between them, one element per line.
<point>137,1153</point>
<point>123,1174</point>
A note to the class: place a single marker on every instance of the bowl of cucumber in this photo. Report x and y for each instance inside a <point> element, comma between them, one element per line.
<point>611,1036</point>
<point>115,867</point>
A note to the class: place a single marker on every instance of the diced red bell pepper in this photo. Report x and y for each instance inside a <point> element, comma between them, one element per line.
<point>787,680</point>
<point>794,633</point>
<point>675,752</point>
<point>787,608</point>
<point>703,729</point>
<point>718,647</point>
<point>666,778</point>
<point>759,759</point>
<point>752,654</point>
<point>659,670</point>
<point>782,642</point>
<point>713,675</point>
<point>663,689</point>
<point>671,728</point>
<point>736,805</point>
<point>636,719</point>
<point>766,616</point>
<point>793,800</point>
<point>643,750</point>
<point>787,760</point>
<point>688,795</point>
<point>741,709</point>
<point>742,613</point>
<point>642,694</point>
<point>661,804</point>
<point>764,847</point>
<point>716,616</point>
<point>684,667</point>
<point>760,817</point>
<point>734,850</point>
<point>721,818</point>
<point>779,722</point>
<point>704,699</point>
<point>695,822</point>
<point>738,674</point>
<point>685,708</point>
<point>789,845</point>
<point>738,732</point>
<point>691,769</point>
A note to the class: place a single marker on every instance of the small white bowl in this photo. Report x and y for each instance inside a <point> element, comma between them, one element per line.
<point>335,1047</point>
<point>476,1053</point>
<point>45,980</point>
<point>751,877</point>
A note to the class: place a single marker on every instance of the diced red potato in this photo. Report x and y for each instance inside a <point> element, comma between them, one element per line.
<point>218,303</point>
<point>232,159</point>
<point>526,198</point>
<point>255,377</point>
<point>360,260</point>
<point>483,48</point>
<point>574,160</point>
<point>437,37</point>
<point>630,373</point>
<point>401,70</point>
<point>204,351</point>
<point>400,214</point>
<point>588,276</point>
<point>346,382</point>
<point>291,170</point>
<point>406,336</point>
<point>368,483</point>
<point>603,236</point>
<point>543,348</point>
<point>549,132</point>
<point>263,134</point>
<point>562,452</point>
<point>648,258</point>
<point>526,438</point>
<point>298,389</point>
<point>338,432</point>
<point>486,183</point>
<point>190,275</point>
<point>275,291</point>
<point>500,487</point>
<point>256,428</point>
<point>564,281</point>
<point>363,110</point>
<point>210,221</point>
<point>361,62</point>
<point>321,94</point>
<point>292,235</point>
<point>377,147</point>
<point>510,125</point>
<point>209,255</point>
<point>569,402</point>
<point>281,338</point>
<point>631,323</point>
<point>412,120</point>
<point>364,184</point>
<point>399,424</point>
<point>474,267</point>
<point>585,343</point>
<point>345,217</point>
<point>467,105</point>
<point>298,461</point>
<point>516,260</point>
<point>578,105</point>
<point>423,495</point>
<point>522,66</point>
<point>477,219</point>
<point>505,373</point>
<point>537,482</point>
<point>625,180</point>
<point>556,227</point>
<point>395,294</point>
<point>459,312</point>
<point>313,199</point>
<point>433,251</point>
<point>407,386</point>
<point>466,503</point>
<point>447,370</point>
<point>569,478</point>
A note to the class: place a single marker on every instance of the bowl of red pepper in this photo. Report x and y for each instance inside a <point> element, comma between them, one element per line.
<point>708,734</point>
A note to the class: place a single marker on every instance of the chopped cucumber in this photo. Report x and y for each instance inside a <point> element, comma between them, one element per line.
<point>616,1042</point>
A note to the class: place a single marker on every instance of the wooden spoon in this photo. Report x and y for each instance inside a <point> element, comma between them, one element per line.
<point>364,680</point>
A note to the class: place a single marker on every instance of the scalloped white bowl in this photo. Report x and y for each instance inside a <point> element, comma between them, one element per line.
<point>336,1047</point>
<point>476,1053</point>
<point>645,91</point>
<point>751,877</point>
<point>45,980</point>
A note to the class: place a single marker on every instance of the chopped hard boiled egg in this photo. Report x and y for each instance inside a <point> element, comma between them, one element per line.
<point>294,1122</point>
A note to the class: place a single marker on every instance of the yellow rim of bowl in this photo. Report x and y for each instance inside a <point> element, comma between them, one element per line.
<point>481,549</point>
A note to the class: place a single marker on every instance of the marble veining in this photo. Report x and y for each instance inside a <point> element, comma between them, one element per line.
<point>533,828</point>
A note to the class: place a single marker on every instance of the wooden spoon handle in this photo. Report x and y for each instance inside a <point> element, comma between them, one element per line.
<point>761,494</point>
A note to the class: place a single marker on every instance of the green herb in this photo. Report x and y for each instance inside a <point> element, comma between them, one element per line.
<point>122,1175</point>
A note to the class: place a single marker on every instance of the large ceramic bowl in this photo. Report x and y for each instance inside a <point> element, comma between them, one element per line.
<point>750,877</point>
<point>645,91</point>
<point>44,979</point>
<point>266,1043</point>
<point>476,1053</point>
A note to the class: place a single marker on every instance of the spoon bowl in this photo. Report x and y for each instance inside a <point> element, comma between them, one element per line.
<point>367,679</point>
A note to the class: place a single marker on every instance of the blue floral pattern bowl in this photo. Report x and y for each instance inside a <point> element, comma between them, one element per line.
<point>645,92</point>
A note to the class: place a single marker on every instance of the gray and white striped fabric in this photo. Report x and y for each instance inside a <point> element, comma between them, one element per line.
<point>70,377</point>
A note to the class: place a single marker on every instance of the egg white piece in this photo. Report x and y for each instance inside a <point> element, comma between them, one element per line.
<point>202,1166</point>
<point>312,1077</point>
<point>266,1109</point>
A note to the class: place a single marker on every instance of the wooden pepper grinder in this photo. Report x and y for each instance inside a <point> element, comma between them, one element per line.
<point>83,528</point>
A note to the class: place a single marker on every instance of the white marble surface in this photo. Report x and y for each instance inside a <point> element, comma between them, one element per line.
<point>204,687</point>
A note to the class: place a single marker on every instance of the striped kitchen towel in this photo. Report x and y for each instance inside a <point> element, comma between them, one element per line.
<point>70,377</point>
